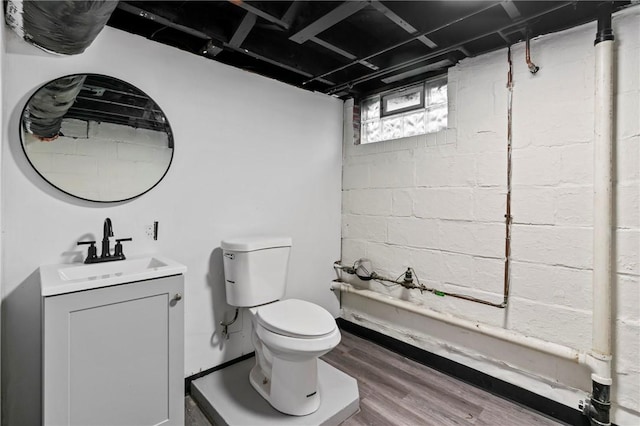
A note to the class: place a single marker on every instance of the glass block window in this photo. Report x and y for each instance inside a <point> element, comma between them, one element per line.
<point>411,111</point>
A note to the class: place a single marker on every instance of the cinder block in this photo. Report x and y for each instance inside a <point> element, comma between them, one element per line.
<point>389,260</point>
<point>74,164</point>
<point>402,202</point>
<point>134,152</point>
<point>439,171</point>
<point>543,128</point>
<point>488,274</point>
<point>458,269</point>
<point>627,250</point>
<point>443,203</point>
<point>61,145</point>
<point>374,202</point>
<point>489,204</point>
<point>553,245</point>
<point>428,265</point>
<point>627,342</point>
<point>355,176</point>
<point>627,28</point>
<point>346,204</point>
<point>370,228</point>
<point>552,285</point>
<point>574,206</point>
<point>627,294</point>
<point>528,166</point>
<point>422,233</point>
<point>353,250</point>
<point>481,239</point>
<point>491,168</point>
<point>628,160</point>
<point>42,161</point>
<point>396,171</point>
<point>627,107</point>
<point>566,326</point>
<point>627,208</point>
<point>533,205</point>
<point>628,67</point>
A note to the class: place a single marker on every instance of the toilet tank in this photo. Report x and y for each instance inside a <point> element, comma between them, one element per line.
<point>255,269</point>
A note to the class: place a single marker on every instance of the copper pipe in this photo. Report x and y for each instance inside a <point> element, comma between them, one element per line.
<point>533,68</point>
<point>507,216</point>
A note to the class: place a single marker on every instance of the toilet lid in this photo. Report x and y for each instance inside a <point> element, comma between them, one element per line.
<point>296,318</point>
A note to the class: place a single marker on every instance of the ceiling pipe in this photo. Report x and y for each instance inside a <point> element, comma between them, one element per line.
<point>598,407</point>
<point>533,68</point>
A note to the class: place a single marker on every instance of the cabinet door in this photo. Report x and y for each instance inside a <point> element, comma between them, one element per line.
<point>115,355</point>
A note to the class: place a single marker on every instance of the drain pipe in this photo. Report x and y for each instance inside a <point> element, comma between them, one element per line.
<point>598,407</point>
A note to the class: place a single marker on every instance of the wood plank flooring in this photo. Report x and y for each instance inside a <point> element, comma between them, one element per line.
<point>397,391</point>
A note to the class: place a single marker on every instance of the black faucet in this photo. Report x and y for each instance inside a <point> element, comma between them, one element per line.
<point>106,255</point>
<point>107,231</point>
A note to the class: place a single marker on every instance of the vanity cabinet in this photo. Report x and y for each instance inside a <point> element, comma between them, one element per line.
<point>115,355</point>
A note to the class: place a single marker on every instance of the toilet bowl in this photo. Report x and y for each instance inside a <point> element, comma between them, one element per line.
<point>288,335</point>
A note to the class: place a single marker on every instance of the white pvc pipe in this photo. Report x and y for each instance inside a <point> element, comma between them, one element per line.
<point>600,365</point>
<point>602,194</point>
<point>499,333</point>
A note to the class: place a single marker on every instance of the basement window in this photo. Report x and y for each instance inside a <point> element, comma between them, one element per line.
<point>414,110</point>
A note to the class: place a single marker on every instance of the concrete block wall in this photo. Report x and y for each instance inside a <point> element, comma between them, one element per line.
<point>114,162</point>
<point>437,203</point>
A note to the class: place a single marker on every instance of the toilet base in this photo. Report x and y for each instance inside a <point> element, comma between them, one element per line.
<point>292,388</point>
<point>227,398</point>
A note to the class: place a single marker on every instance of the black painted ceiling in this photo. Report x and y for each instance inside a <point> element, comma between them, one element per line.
<point>348,48</point>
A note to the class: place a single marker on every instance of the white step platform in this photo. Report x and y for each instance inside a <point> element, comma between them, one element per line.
<point>227,398</point>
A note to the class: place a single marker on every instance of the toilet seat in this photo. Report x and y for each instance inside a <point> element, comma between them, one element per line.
<point>296,318</point>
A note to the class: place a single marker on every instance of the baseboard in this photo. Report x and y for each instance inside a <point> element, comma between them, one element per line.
<point>466,374</point>
<point>188,380</point>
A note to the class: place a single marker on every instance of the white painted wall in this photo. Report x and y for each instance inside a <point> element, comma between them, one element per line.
<point>437,203</point>
<point>252,155</point>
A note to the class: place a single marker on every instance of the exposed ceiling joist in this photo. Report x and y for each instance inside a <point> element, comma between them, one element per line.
<point>162,21</point>
<point>258,12</point>
<point>243,30</point>
<point>442,51</point>
<point>402,43</point>
<point>211,49</point>
<point>291,13</point>
<point>338,14</point>
<point>402,23</point>
<point>511,9</point>
<point>342,52</point>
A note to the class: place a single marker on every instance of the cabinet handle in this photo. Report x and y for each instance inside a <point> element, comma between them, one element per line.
<point>177,297</point>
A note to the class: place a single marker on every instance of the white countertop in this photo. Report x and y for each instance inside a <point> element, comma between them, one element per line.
<point>71,277</point>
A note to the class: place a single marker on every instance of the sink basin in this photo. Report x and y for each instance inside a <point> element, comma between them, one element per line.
<point>66,278</point>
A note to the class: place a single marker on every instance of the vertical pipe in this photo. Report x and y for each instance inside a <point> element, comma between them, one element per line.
<point>599,406</point>
<point>507,216</point>
<point>603,187</point>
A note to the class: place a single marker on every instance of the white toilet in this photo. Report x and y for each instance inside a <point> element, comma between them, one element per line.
<point>288,335</point>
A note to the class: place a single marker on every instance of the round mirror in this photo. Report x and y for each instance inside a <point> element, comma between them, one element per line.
<point>96,137</point>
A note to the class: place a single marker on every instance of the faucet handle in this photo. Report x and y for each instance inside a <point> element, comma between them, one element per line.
<point>91,253</point>
<point>118,248</point>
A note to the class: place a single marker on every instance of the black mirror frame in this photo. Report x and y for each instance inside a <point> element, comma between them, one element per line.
<point>22,144</point>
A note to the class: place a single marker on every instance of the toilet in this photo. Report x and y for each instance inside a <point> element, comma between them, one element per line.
<point>288,335</point>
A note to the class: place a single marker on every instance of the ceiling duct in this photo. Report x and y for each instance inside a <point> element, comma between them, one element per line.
<point>63,27</point>
<point>46,108</point>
